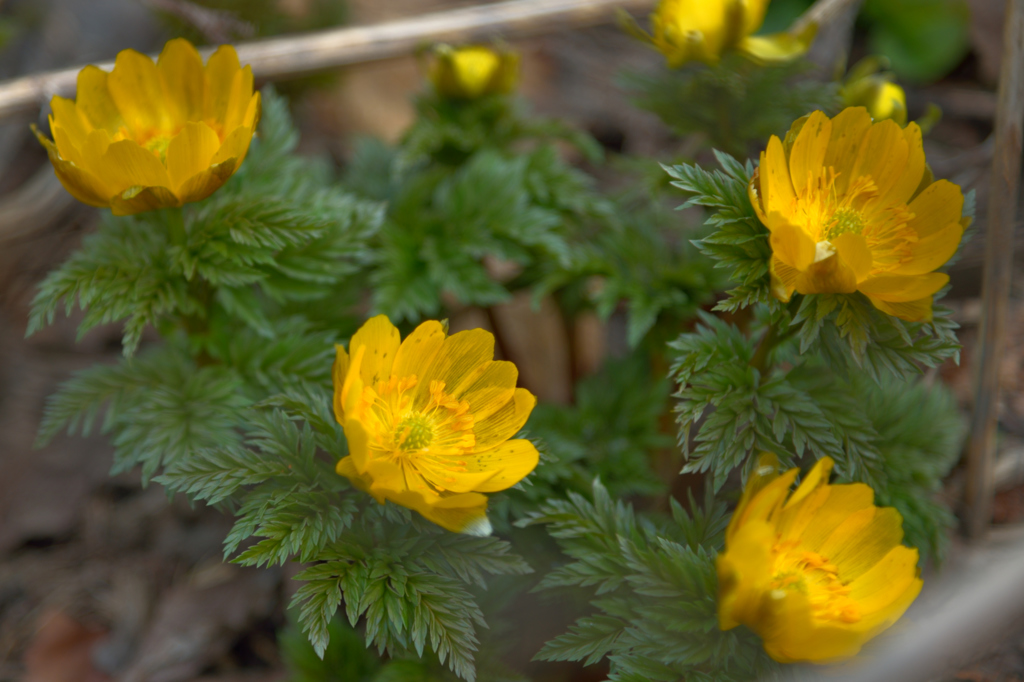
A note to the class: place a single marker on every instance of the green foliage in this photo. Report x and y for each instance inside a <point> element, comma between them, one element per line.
<point>644,263</point>
<point>735,103</point>
<point>923,39</point>
<point>161,408</point>
<point>398,573</point>
<point>656,616</point>
<point>743,410</point>
<point>738,241</point>
<point>920,438</point>
<point>613,432</point>
<point>448,131</point>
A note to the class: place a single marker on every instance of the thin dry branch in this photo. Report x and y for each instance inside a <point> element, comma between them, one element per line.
<point>1009,137</point>
<point>291,56</point>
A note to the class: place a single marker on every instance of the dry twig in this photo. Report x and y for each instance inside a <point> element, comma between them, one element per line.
<point>1009,135</point>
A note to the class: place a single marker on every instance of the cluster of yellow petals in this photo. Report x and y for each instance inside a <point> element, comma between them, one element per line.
<point>816,573</point>
<point>154,135</point>
<point>851,206</point>
<point>703,30</point>
<point>429,421</point>
<point>473,71</point>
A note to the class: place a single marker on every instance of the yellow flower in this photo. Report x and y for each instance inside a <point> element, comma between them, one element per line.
<point>428,421</point>
<point>852,207</point>
<point>148,136</point>
<point>815,576</point>
<point>473,71</point>
<point>868,87</point>
<point>702,30</point>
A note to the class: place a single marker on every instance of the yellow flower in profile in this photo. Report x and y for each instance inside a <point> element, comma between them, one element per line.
<point>429,421</point>
<point>852,207</point>
<point>473,71</point>
<point>816,575</point>
<point>869,87</point>
<point>148,136</point>
<point>703,30</point>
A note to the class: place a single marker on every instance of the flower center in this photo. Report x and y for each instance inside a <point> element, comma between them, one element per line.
<point>158,145</point>
<point>430,434</point>
<point>845,220</point>
<point>800,570</point>
<point>414,432</point>
<point>825,213</point>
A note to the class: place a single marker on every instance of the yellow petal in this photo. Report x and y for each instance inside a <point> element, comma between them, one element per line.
<point>206,182</point>
<point>776,185</point>
<point>883,156</point>
<point>862,540</point>
<point>506,422</point>
<point>66,116</point>
<point>778,47</point>
<point>900,289</point>
<point>125,165</point>
<point>181,70</point>
<point>829,276</point>
<point>79,183</point>
<point>419,350</point>
<point>492,390</point>
<point>239,100</point>
<point>753,15</point>
<point>96,145</point>
<point>823,511</point>
<point>933,251</point>
<point>454,482</point>
<point>849,131</point>
<point>815,479</point>
<point>189,153</point>
<point>809,148</point>
<point>66,145</point>
<point>904,186</point>
<point>141,199</point>
<point>352,389</point>
<point>235,146</point>
<point>763,506</point>
<point>911,311</point>
<point>756,194</point>
<point>338,373</point>
<point>790,244</point>
<point>511,461</point>
<point>853,250</point>
<point>462,513</point>
<point>783,279</point>
<point>764,472</point>
<point>744,574</point>
<point>358,448</point>
<point>380,338</point>
<point>93,99</point>
<point>883,584</point>
<point>136,89</point>
<point>940,204</point>
<point>220,77</point>
<point>462,358</point>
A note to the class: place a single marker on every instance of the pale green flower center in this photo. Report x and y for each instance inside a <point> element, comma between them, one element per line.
<point>414,432</point>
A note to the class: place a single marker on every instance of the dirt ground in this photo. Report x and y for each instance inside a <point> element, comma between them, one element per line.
<point>101,578</point>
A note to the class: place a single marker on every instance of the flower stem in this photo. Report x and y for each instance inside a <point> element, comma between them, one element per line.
<point>769,342</point>
<point>176,226</point>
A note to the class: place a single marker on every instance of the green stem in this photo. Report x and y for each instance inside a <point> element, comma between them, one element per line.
<point>176,226</point>
<point>768,343</point>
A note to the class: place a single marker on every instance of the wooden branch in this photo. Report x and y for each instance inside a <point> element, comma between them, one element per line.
<point>296,55</point>
<point>1009,136</point>
<point>821,13</point>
